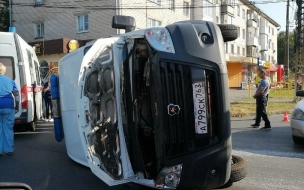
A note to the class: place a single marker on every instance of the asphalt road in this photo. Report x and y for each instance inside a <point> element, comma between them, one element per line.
<point>273,160</point>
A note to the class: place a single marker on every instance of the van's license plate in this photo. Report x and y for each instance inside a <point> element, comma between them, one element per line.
<point>199,99</point>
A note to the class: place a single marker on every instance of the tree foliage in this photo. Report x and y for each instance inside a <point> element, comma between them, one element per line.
<point>4,15</point>
<point>281,50</point>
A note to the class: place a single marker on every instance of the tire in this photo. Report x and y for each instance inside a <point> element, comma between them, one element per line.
<point>238,169</point>
<point>297,140</point>
<point>229,32</point>
<point>32,125</point>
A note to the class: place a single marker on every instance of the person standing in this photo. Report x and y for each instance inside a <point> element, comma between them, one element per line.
<point>48,100</point>
<point>8,89</point>
<point>261,101</point>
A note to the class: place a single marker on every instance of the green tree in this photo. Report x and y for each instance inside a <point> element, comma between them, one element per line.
<point>4,15</point>
<point>281,50</point>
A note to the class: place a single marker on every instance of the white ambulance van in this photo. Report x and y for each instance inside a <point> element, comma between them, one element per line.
<point>22,66</point>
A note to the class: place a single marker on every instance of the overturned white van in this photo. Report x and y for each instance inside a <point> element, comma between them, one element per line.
<point>150,106</point>
<point>23,67</point>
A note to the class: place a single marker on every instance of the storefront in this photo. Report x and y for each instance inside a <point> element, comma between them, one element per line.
<point>240,70</point>
<point>50,52</point>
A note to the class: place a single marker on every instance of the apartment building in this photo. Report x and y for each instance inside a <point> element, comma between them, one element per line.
<point>50,25</point>
<point>257,41</point>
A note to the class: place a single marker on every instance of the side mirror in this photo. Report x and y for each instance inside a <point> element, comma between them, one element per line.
<point>123,22</point>
<point>300,93</point>
<point>229,32</point>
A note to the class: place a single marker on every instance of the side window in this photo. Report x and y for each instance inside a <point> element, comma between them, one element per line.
<point>37,73</point>
<point>31,66</point>
<point>8,62</point>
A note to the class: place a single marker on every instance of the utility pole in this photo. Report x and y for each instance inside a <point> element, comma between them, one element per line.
<point>10,12</point>
<point>286,58</point>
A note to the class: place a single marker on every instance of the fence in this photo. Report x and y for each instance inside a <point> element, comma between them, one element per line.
<point>278,89</point>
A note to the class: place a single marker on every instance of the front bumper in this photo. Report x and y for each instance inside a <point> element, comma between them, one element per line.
<point>297,127</point>
<point>198,167</point>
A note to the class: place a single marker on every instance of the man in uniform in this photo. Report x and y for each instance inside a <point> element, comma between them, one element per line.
<point>261,101</point>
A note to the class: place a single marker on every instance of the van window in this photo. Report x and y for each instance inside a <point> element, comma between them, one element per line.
<point>32,70</point>
<point>8,62</point>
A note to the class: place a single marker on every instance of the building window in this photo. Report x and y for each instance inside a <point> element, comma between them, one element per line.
<point>230,19</point>
<point>83,23</point>
<point>243,13</point>
<point>268,57</point>
<point>239,31</point>
<point>244,34</point>
<point>207,9</point>
<point>38,2</point>
<point>272,46</point>
<point>186,8</point>
<point>217,20</point>
<point>39,30</point>
<point>238,50</point>
<point>238,10</point>
<point>216,1</point>
<point>155,1</point>
<point>272,31</point>
<point>153,23</point>
<point>243,51</point>
<point>226,47</point>
<point>170,4</point>
<point>232,48</point>
<point>269,29</point>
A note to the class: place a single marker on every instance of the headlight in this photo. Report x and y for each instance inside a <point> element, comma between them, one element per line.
<point>169,177</point>
<point>160,39</point>
<point>298,114</point>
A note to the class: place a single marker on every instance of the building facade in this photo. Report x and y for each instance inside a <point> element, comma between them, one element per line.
<point>257,40</point>
<point>50,25</point>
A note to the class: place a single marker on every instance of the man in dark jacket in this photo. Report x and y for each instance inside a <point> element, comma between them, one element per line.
<point>48,100</point>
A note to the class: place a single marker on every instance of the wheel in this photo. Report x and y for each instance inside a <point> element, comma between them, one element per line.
<point>229,32</point>
<point>32,125</point>
<point>297,140</point>
<point>238,169</point>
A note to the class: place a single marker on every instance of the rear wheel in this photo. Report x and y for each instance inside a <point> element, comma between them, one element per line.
<point>32,125</point>
<point>297,140</point>
<point>238,169</point>
<point>229,32</point>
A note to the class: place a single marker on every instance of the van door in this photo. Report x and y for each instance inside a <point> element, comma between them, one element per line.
<point>32,84</point>
<point>38,90</point>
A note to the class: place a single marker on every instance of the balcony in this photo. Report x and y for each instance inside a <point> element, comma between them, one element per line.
<point>252,23</point>
<point>264,42</point>
<point>227,9</point>
<point>252,41</point>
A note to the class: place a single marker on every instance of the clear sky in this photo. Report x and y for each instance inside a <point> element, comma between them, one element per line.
<point>277,11</point>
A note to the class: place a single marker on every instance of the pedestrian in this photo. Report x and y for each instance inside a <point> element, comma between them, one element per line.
<point>48,101</point>
<point>261,101</point>
<point>8,89</point>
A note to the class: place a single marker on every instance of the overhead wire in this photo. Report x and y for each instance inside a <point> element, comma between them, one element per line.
<point>138,5</point>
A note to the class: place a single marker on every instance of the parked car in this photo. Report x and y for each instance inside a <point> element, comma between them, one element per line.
<point>150,106</point>
<point>297,120</point>
<point>23,67</point>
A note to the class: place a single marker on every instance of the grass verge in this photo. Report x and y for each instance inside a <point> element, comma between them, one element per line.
<point>247,108</point>
<point>281,93</point>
